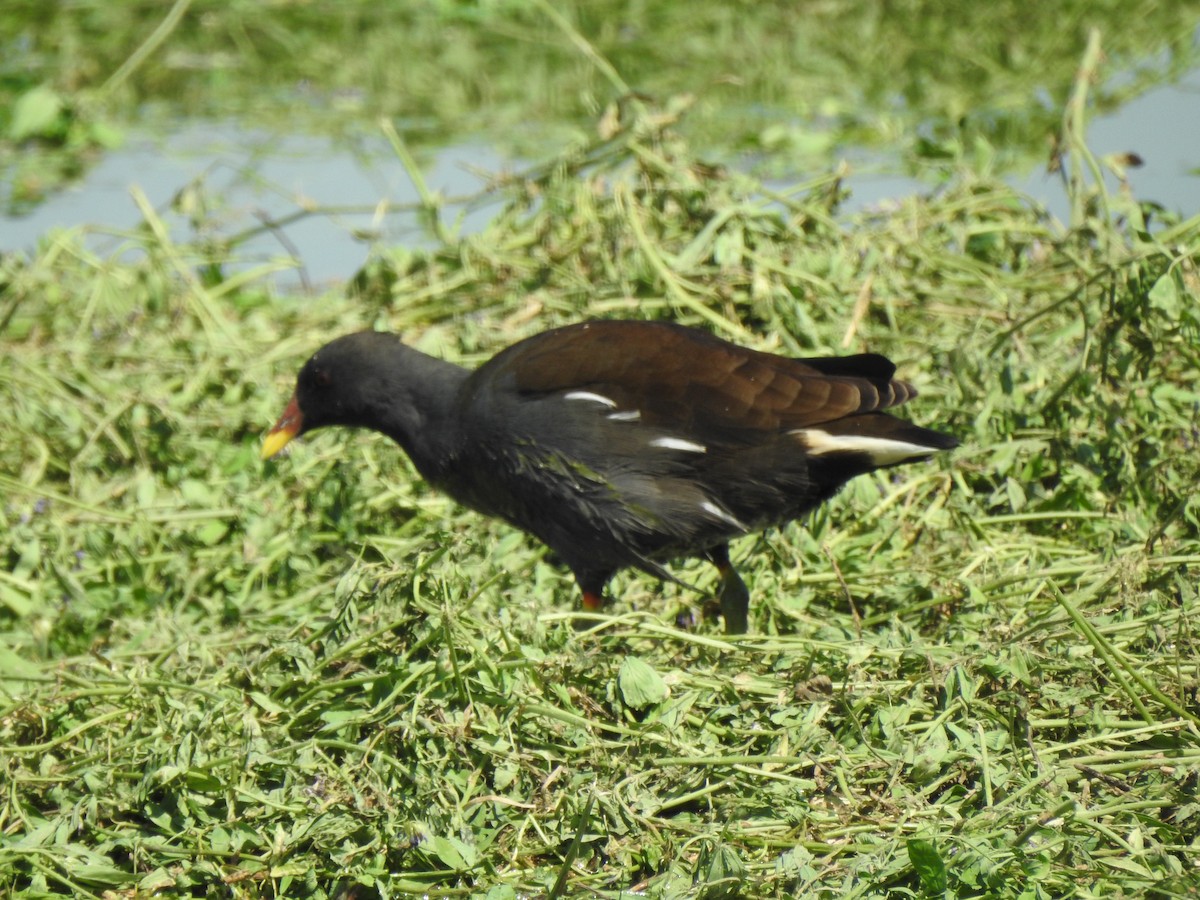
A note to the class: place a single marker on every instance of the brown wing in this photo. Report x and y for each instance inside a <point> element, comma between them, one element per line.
<point>691,382</point>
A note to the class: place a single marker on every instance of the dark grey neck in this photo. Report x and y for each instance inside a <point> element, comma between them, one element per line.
<point>412,401</point>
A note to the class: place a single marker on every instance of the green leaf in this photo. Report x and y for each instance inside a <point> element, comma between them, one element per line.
<point>339,718</point>
<point>106,135</point>
<point>930,867</point>
<point>453,853</point>
<point>212,532</point>
<point>102,874</point>
<point>267,703</point>
<point>202,780</point>
<point>1128,865</point>
<point>196,492</point>
<point>36,113</point>
<point>1164,296</point>
<point>13,665</point>
<point>157,880</point>
<point>721,873</point>
<point>18,603</point>
<point>640,685</point>
<point>146,491</point>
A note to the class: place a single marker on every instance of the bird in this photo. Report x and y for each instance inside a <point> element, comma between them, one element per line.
<point>620,443</point>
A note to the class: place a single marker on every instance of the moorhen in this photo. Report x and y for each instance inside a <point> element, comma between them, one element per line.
<point>620,443</point>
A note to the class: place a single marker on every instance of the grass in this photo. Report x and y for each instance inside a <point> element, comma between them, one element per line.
<point>926,81</point>
<point>316,677</point>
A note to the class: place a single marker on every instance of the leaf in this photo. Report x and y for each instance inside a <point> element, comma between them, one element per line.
<point>13,665</point>
<point>506,773</point>
<point>36,113</point>
<point>202,780</point>
<point>106,135</point>
<point>18,603</point>
<point>1128,865</point>
<point>102,874</point>
<point>640,685</point>
<point>146,491</point>
<point>196,492</point>
<point>157,880</point>
<point>720,873</point>
<point>212,532</point>
<point>339,718</point>
<point>1164,296</point>
<point>27,562</point>
<point>266,703</point>
<point>930,867</point>
<point>453,853</point>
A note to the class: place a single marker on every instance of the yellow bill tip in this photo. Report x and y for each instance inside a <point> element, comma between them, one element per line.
<point>285,429</point>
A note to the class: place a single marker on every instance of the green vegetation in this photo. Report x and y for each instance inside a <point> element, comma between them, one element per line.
<point>316,677</point>
<point>789,83</point>
<point>293,679</point>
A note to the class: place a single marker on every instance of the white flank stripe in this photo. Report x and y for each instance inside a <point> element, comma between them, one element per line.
<point>672,443</point>
<point>713,510</point>
<point>882,451</point>
<point>626,415</point>
<point>590,398</point>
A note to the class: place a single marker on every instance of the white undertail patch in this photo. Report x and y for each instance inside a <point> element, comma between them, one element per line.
<point>674,443</point>
<point>881,451</point>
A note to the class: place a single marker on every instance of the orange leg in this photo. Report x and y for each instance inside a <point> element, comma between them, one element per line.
<point>592,601</point>
<point>591,585</point>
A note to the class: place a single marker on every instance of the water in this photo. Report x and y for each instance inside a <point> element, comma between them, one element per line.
<point>1162,126</point>
<point>248,177</point>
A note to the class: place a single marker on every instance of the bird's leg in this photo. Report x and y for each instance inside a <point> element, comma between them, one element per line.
<point>591,586</point>
<point>732,594</point>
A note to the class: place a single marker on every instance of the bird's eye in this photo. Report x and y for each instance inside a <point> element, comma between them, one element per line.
<point>322,378</point>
